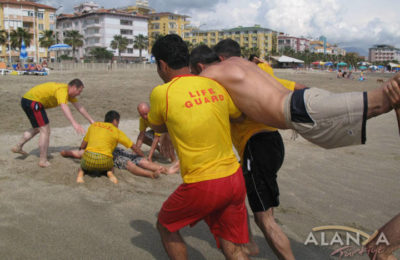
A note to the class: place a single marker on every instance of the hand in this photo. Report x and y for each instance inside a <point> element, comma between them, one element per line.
<point>149,159</point>
<point>79,129</point>
<point>392,90</point>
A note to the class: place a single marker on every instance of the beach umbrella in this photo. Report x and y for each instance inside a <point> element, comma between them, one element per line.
<point>342,64</point>
<point>23,54</point>
<point>362,67</point>
<point>328,63</point>
<point>60,47</point>
<point>315,63</point>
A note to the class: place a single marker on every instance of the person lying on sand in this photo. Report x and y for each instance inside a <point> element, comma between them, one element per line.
<point>99,143</point>
<point>135,164</point>
<point>324,118</point>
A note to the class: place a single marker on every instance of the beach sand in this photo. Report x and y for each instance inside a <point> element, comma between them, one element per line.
<point>44,214</point>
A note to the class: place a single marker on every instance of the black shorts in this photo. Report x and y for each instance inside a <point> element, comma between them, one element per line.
<point>263,157</point>
<point>35,112</point>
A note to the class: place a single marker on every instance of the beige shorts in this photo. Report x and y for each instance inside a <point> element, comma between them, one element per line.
<point>339,119</point>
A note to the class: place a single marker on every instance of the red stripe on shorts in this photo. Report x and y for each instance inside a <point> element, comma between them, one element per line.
<point>37,113</point>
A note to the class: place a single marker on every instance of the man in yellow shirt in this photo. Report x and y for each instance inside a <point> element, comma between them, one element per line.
<point>44,96</point>
<point>149,137</point>
<point>195,111</point>
<point>261,150</point>
<point>99,144</point>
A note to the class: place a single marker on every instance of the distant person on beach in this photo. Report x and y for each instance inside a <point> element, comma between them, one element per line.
<point>324,118</point>
<point>127,160</point>
<point>385,241</point>
<point>148,136</point>
<point>261,151</point>
<point>195,111</point>
<point>262,64</point>
<point>99,144</point>
<point>44,96</point>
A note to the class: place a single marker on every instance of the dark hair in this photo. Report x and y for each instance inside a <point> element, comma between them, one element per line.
<point>111,116</point>
<point>76,82</point>
<point>172,50</point>
<point>227,48</point>
<point>202,54</point>
<point>252,56</point>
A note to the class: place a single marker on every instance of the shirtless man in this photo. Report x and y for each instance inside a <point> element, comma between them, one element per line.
<point>327,119</point>
<point>49,95</point>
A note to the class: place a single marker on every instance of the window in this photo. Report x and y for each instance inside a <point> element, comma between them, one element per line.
<point>125,22</point>
<point>52,27</point>
<point>76,24</point>
<point>130,50</point>
<point>51,17</point>
<point>41,27</point>
<point>130,41</point>
<point>40,16</point>
<point>172,25</point>
<point>126,32</point>
<point>156,26</point>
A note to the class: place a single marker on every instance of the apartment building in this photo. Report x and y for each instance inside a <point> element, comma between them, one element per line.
<point>141,7</point>
<point>297,44</point>
<point>167,23</point>
<point>33,17</point>
<point>249,37</point>
<point>319,46</point>
<point>99,26</point>
<point>381,53</point>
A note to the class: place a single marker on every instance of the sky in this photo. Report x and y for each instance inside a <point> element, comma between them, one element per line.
<point>349,23</point>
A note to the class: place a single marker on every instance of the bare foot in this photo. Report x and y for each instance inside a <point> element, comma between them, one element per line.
<point>79,179</point>
<point>251,248</point>
<point>44,164</point>
<point>174,168</point>
<point>19,150</point>
<point>112,177</point>
<point>64,153</point>
<point>155,175</point>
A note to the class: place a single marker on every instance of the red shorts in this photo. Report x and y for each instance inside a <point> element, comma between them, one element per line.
<point>220,202</point>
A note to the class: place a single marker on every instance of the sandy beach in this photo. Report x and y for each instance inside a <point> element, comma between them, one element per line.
<point>44,214</point>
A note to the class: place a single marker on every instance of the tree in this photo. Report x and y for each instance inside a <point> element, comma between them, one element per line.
<point>140,42</point>
<point>3,37</point>
<point>121,43</point>
<point>101,54</point>
<point>73,38</point>
<point>16,37</point>
<point>47,38</point>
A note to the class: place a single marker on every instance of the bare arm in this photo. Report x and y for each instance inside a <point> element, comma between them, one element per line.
<point>298,86</point>
<point>83,111</point>
<point>159,128</point>
<point>153,147</point>
<point>67,112</point>
<point>392,90</point>
<point>137,150</point>
<point>140,139</point>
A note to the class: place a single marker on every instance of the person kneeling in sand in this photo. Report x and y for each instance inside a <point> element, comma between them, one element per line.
<point>135,164</point>
<point>99,143</point>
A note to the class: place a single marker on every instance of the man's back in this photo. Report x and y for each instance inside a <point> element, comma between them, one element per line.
<point>196,111</point>
<point>255,93</point>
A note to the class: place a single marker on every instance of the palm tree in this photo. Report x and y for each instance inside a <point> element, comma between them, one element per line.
<point>16,37</point>
<point>73,38</point>
<point>3,37</point>
<point>140,42</point>
<point>47,38</point>
<point>121,43</point>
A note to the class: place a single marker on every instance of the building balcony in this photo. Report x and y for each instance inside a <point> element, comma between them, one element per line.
<point>93,25</point>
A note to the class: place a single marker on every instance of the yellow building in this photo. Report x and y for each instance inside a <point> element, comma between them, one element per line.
<point>167,23</point>
<point>31,16</point>
<point>248,37</point>
<point>141,7</point>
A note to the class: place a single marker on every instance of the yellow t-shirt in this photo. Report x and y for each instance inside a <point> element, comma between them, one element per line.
<point>50,94</point>
<point>103,137</point>
<point>144,124</point>
<point>286,83</point>
<point>196,111</point>
<point>241,132</point>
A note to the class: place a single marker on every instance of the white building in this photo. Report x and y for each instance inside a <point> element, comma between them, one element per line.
<point>99,26</point>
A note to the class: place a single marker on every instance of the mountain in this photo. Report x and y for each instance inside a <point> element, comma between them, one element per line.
<point>360,51</point>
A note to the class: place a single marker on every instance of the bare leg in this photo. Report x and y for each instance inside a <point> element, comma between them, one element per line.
<point>382,251</point>
<point>146,164</point>
<point>250,248</point>
<point>274,235</point>
<point>134,169</point>
<point>77,154</point>
<point>174,168</point>
<point>173,243</point>
<point>44,140</point>
<point>232,251</point>
<point>79,179</point>
<point>112,177</point>
<point>28,135</point>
